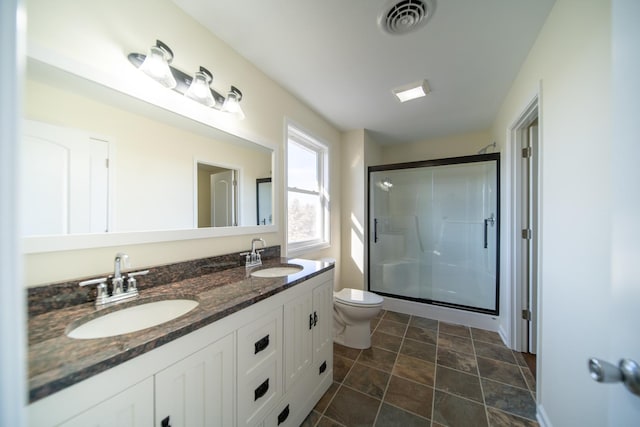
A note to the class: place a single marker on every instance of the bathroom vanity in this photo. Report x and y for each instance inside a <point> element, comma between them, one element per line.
<point>256,351</point>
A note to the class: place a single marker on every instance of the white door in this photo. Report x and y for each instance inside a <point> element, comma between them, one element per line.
<point>624,318</point>
<point>222,199</point>
<point>66,176</point>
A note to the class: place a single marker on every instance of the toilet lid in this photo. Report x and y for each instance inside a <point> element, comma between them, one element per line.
<point>358,297</point>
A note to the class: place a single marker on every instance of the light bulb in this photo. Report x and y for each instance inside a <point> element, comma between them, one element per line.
<point>199,89</point>
<point>156,66</point>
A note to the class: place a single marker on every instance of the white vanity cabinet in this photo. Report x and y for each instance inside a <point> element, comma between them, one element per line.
<point>132,407</point>
<point>255,367</point>
<point>308,354</point>
<point>196,391</point>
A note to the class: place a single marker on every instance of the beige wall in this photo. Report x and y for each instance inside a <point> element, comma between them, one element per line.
<point>353,215</point>
<point>439,148</point>
<point>571,62</point>
<point>359,151</point>
<point>98,36</point>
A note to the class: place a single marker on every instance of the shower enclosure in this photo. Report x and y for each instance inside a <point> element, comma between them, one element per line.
<point>434,233</point>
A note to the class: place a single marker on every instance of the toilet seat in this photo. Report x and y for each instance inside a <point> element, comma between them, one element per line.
<point>357,298</point>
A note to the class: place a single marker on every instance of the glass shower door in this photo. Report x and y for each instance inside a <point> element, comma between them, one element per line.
<point>434,232</point>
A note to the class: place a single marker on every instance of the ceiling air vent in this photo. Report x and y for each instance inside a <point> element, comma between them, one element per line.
<point>405,16</point>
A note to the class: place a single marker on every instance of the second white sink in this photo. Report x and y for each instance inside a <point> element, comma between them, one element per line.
<point>133,318</point>
<point>277,271</point>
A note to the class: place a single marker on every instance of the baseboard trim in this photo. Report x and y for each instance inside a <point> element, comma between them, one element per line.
<point>542,417</point>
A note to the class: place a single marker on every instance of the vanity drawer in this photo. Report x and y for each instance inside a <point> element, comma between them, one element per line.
<point>258,393</point>
<point>258,342</point>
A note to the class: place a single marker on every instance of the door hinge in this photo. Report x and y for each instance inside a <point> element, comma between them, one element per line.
<point>106,163</point>
<point>526,233</point>
<point>526,314</point>
<point>526,152</point>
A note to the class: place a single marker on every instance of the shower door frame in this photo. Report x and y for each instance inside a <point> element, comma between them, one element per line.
<point>431,163</point>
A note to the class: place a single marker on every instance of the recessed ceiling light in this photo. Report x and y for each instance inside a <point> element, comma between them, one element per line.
<point>412,91</point>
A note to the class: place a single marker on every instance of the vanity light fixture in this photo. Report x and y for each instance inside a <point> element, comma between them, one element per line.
<point>156,65</point>
<point>199,89</point>
<point>232,103</point>
<point>412,91</point>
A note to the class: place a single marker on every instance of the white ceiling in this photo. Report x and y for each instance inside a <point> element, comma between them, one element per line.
<point>331,55</point>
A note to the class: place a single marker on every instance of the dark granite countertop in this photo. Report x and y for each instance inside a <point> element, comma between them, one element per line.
<point>57,361</point>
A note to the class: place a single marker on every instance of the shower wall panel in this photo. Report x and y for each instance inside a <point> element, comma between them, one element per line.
<point>433,231</point>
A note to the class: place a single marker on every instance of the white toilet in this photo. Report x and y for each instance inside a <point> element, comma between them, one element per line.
<point>353,310</point>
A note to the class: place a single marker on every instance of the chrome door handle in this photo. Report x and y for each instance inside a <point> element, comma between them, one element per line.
<point>627,371</point>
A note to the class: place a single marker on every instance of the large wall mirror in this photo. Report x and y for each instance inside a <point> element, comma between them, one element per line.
<point>98,163</point>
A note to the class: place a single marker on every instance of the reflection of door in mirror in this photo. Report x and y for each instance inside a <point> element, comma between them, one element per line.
<point>65,181</point>
<point>217,190</point>
<point>265,216</point>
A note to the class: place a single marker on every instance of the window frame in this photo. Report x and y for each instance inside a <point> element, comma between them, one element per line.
<point>302,137</point>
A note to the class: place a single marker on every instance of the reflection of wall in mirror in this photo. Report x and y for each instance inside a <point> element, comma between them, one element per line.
<point>153,185</point>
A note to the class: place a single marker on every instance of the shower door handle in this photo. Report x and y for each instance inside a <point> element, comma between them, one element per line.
<point>492,220</point>
<point>375,230</point>
<point>486,223</point>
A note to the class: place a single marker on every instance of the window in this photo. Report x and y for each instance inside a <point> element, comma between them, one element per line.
<point>307,192</point>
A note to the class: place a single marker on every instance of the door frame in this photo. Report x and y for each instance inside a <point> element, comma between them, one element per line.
<point>13,387</point>
<point>519,290</point>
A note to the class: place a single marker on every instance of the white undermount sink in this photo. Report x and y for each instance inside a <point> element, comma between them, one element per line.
<point>277,271</point>
<point>132,319</point>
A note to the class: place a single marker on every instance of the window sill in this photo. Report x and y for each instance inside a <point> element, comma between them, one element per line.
<point>298,250</point>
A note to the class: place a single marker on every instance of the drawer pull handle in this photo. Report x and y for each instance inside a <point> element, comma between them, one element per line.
<point>261,390</point>
<point>261,344</point>
<point>315,318</point>
<point>323,367</point>
<point>282,416</point>
<point>310,321</point>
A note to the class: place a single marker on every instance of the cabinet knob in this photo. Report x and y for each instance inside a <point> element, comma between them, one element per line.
<point>165,422</point>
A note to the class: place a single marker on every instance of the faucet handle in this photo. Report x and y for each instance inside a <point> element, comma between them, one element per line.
<point>101,280</point>
<point>102,287</point>
<point>137,273</point>
<point>131,280</point>
<point>247,256</point>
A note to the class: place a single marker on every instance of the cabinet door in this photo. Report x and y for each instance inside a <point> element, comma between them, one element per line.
<point>132,407</point>
<point>298,332</point>
<point>198,390</point>
<point>323,321</point>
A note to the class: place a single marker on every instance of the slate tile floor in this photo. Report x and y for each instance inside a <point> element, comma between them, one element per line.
<point>421,372</point>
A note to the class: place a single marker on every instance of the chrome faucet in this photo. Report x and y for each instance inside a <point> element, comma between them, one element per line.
<point>121,260</point>
<point>253,244</point>
<point>118,293</point>
<point>253,258</point>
